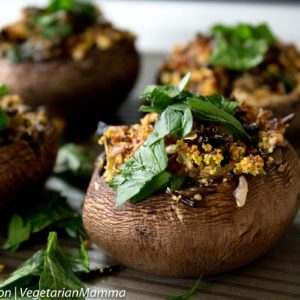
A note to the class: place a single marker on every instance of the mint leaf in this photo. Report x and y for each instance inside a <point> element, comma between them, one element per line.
<point>240,47</point>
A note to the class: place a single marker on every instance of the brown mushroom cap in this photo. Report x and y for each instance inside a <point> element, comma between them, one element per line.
<point>80,91</point>
<point>163,237</point>
<point>24,169</point>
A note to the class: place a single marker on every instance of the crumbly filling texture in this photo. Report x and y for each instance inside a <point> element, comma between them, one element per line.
<point>41,35</point>
<point>209,154</point>
<point>21,123</point>
<point>277,74</point>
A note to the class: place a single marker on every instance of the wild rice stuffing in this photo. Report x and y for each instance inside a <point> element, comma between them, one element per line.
<point>210,153</point>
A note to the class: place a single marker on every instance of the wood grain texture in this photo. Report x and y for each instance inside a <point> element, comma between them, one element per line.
<point>160,236</point>
<point>76,90</point>
<point>24,168</point>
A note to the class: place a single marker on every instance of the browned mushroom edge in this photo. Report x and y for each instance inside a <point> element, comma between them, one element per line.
<point>230,224</point>
<point>169,238</point>
<point>25,162</point>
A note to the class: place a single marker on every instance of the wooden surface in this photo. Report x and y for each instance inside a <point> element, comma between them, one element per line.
<point>275,276</point>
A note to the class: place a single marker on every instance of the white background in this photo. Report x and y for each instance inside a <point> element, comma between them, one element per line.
<point>159,24</point>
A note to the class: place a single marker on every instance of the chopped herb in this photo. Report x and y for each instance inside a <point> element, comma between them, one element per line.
<point>145,173</point>
<point>240,47</point>
<point>51,26</point>
<point>75,164</point>
<point>50,269</point>
<point>53,213</point>
<point>188,293</point>
<point>80,7</point>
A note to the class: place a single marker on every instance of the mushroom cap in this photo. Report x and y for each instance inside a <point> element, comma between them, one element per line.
<point>163,237</point>
<point>78,91</point>
<point>24,168</point>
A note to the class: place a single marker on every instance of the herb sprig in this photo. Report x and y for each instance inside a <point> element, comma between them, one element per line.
<point>240,47</point>
<point>53,213</point>
<point>145,173</point>
<point>51,269</point>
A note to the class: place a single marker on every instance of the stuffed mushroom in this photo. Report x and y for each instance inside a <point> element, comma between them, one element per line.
<point>243,61</point>
<point>68,57</point>
<point>28,145</point>
<point>201,185</point>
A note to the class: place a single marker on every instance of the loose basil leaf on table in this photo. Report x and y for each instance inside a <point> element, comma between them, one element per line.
<point>53,213</point>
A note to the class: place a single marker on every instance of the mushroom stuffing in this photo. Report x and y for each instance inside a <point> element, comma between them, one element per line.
<point>226,140</point>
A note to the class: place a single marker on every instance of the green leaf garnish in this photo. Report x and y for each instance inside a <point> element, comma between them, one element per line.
<point>54,213</point>
<point>188,293</point>
<point>75,164</point>
<point>80,7</point>
<point>50,269</point>
<point>3,90</point>
<point>240,47</point>
<point>205,110</point>
<point>145,173</point>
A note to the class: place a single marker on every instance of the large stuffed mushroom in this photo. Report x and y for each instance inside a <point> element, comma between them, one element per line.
<point>68,57</point>
<point>245,62</point>
<point>202,185</point>
<point>28,146</point>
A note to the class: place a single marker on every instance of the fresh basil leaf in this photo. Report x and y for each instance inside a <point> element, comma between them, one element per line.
<point>26,273</point>
<point>3,90</point>
<point>18,232</point>
<point>240,47</point>
<point>189,293</point>
<point>204,110</point>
